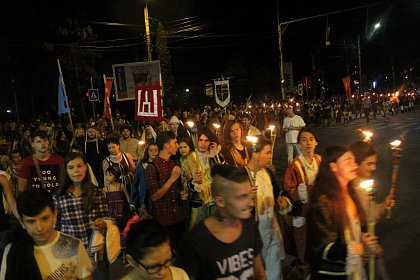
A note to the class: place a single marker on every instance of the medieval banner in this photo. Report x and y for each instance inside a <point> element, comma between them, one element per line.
<point>222,92</point>
<point>148,102</point>
<point>347,88</point>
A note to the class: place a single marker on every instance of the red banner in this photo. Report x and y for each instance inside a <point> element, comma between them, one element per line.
<point>307,84</point>
<point>347,88</point>
<point>107,105</point>
<point>148,102</point>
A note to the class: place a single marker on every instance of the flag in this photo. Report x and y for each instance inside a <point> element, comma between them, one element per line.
<point>148,102</point>
<point>209,89</point>
<point>327,36</point>
<point>222,89</point>
<point>62,98</point>
<point>107,105</point>
<point>347,88</point>
<point>307,84</point>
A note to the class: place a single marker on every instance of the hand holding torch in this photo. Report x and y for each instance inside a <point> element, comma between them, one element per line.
<point>396,158</point>
<point>256,163</point>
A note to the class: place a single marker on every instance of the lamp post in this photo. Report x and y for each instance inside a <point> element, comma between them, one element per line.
<point>369,187</point>
<point>281,31</point>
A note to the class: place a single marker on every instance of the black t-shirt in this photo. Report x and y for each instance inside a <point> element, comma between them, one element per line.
<point>204,257</point>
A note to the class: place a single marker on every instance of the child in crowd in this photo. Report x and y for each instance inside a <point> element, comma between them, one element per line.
<point>117,196</point>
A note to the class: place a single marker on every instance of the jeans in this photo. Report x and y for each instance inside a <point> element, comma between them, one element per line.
<point>290,147</point>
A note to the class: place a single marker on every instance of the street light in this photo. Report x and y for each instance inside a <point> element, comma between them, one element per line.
<point>286,23</point>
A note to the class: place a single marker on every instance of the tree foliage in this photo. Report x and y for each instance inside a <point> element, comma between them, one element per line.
<point>165,60</point>
<point>77,61</point>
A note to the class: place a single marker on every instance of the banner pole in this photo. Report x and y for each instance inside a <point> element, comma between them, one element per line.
<point>65,94</point>
<point>107,94</point>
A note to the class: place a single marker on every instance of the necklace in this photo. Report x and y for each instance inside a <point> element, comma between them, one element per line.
<point>115,156</point>
<point>309,166</point>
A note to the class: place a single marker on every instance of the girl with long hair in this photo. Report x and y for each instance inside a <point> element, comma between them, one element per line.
<point>335,220</point>
<point>81,205</point>
<point>234,151</point>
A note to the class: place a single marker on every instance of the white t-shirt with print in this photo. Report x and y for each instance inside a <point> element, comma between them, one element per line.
<point>64,258</point>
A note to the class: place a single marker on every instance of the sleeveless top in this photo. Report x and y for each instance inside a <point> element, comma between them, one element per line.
<point>123,167</point>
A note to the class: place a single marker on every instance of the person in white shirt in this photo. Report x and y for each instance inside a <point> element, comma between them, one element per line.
<point>267,191</point>
<point>292,124</point>
<point>38,251</point>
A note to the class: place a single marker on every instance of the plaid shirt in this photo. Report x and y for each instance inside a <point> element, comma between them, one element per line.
<point>72,218</point>
<point>166,210</point>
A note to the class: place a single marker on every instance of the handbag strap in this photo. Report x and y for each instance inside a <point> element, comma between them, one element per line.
<point>38,171</point>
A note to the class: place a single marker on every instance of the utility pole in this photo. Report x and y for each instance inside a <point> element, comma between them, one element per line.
<point>283,93</point>
<point>360,64</point>
<point>286,23</point>
<point>148,41</point>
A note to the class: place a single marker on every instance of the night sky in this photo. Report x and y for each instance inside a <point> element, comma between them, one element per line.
<point>207,38</point>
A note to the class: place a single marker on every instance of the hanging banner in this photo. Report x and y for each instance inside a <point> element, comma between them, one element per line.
<point>222,92</point>
<point>148,101</point>
<point>107,104</point>
<point>129,75</point>
<point>307,84</point>
<point>300,89</point>
<point>347,88</point>
<point>209,89</point>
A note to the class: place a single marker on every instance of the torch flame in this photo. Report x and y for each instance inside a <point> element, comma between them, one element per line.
<point>141,142</point>
<point>367,184</point>
<point>216,125</point>
<point>395,143</point>
<point>252,139</point>
<point>271,127</point>
<point>190,123</point>
<point>367,133</point>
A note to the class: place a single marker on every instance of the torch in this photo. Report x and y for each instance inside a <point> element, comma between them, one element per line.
<point>368,135</point>
<point>194,137</point>
<point>141,147</point>
<point>273,136</point>
<point>256,161</point>
<point>217,127</point>
<point>369,187</point>
<point>396,158</point>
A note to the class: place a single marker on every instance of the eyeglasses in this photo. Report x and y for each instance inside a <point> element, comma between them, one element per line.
<point>156,268</point>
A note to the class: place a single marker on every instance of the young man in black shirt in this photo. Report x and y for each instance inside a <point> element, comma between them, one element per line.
<point>226,244</point>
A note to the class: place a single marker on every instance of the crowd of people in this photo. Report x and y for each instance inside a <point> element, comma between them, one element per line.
<point>188,197</point>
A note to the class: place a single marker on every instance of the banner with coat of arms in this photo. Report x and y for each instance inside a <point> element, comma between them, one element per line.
<point>222,92</point>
